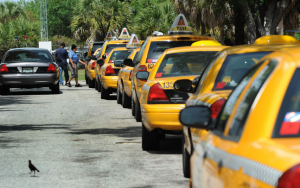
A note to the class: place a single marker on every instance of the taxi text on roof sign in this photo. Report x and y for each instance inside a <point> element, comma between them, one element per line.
<point>180,25</point>
<point>124,34</point>
<point>109,36</point>
<point>133,42</point>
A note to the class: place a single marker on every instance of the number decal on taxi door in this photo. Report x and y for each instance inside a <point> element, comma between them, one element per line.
<point>168,85</point>
<point>150,66</point>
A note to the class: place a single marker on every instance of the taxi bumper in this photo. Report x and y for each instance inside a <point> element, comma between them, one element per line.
<point>109,82</point>
<point>162,116</point>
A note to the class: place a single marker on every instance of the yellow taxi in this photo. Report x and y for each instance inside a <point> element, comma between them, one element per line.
<point>179,35</point>
<point>109,72</point>
<point>160,103</point>
<point>124,76</point>
<point>255,140</point>
<point>107,47</point>
<point>94,47</point>
<point>220,78</point>
<point>90,69</point>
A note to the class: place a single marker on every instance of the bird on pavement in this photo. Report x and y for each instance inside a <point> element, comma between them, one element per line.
<point>32,167</point>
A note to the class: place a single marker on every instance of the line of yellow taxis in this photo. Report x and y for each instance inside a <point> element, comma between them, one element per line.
<point>235,107</point>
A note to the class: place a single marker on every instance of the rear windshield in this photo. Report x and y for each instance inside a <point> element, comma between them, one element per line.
<point>234,68</point>
<point>186,63</point>
<point>288,121</point>
<point>119,55</point>
<point>110,47</point>
<point>157,48</point>
<point>135,56</point>
<point>95,47</point>
<point>16,56</point>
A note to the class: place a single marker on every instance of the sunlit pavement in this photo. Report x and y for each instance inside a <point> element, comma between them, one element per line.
<point>76,139</point>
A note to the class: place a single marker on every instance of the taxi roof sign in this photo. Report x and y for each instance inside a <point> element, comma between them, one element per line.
<point>206,43</point>
<point>180,26</point>
<point>124,34</point>
<point>109,36</point>
<point>276,39</point>
<point>133,42</point>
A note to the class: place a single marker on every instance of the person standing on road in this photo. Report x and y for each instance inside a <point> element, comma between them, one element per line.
<point>74,60</point>
<point>61,56</point>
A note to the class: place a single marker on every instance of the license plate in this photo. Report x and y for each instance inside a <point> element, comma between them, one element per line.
<point>27,70</point>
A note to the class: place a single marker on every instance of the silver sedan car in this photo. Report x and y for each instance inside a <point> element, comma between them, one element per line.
<point>28,68</point>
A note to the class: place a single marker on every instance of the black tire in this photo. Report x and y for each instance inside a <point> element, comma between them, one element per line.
<point>137,114</point>
<point>186,157</point>
<point>132,106</point>
<point>91,83</point>
<point>96,84</point>
<point>119,96</point>
<point>55,89</point>
<point>104,93</point>
<point>86,79</point>
<point>4,90</point>
<point>150,140</point>
<point>126,101</point>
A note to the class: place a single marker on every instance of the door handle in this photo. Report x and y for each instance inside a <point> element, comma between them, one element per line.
<point>220,165</point>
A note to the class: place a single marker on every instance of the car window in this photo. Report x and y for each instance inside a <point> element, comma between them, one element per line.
<point>96,46</point>
<point>119,55</point>
<point>140,55</point>
<point>158,48</point>
<point>240,117</point>
<point>135,56</point>
<point>234,68</point>
<point>229,105</point>
<point>186,63</point>
<point>288,121</point>
<point>16,56</point>
<point>206,71</point>
<point>110,47</point>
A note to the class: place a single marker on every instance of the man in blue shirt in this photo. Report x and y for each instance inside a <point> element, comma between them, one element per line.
<point>61,56</point>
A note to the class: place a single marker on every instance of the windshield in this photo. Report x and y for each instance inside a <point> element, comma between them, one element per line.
<point>95,47</point>
<point>186,63</point>
<point>119,55</point>
<point>234,68</point>
<point>158,48</point>
<point>110,47</point>
<point>17,56</point>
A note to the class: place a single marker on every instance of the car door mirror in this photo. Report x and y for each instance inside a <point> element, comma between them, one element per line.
<point>142,75</point>
<point>85,54</point>
<point>93,57</point>
<point>128,62</point>
<point>195,81</point>
<point>104,56</point>
<point>196,117</point>
<point>184,86</point>
<point>118,64</point>
<point>100,61</point>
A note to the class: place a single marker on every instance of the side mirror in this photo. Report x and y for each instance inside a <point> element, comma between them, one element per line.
<point>118,64</point>
<point>104,56</point>
<point>184,86</point>
<point>85,54</point>
<point>196,117</point>
<point>100,61</point>
<point>195,81</point>
<point>93,57</point>
<point>142,75</point>
<point>128,62</point>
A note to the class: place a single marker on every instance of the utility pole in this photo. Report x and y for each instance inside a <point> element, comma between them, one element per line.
<point>43,18</point>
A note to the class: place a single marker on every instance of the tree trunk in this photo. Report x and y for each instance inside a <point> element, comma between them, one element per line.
<point>221,35</point>
<point>278,15</point>
<point>251,27</point>
<point>239,22</point>
<point>202,28</point>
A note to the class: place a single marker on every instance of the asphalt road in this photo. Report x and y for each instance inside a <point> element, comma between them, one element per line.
<point>76,139</point>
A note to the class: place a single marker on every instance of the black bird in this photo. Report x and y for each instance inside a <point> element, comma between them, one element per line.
<point>32,167</point>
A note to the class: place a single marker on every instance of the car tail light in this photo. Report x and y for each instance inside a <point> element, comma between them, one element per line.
<point>111,61</point>
<point>142,68</point>
<point>130,75</point>
<point>93,65</point>
<point>110,71</point>
<point>51,68</point>
<point>4,68</point>
<point>216,108</point>
<point>156,93</point>
<point>290,178</point>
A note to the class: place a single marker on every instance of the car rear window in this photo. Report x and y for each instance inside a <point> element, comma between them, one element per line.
<point>288,121</point>
<point>17,56</point>
<point>158,48</point>
<point>186,63</point>
<point>234,69</point>
<point>110,47</point>
<point>96,46</point>
<point>119,55</point>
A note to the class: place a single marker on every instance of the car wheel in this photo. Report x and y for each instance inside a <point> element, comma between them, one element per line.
<point>185,160</point>
<point>96,85</point>
<point>3,90</point>
<point>86,79</point>
<point>150,140</point>
<point>132,107</point>
<point>104,93</point>
<point>138,115</point>
<point>125,99</point>
<point>55,88</point>
<point>91,83</point>
<point>119,96</point>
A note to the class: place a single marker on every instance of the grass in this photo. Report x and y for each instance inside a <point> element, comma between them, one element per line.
<point>81,73</point>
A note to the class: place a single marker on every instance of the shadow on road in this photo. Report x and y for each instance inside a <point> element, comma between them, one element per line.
<point>32,93</point>
<point>26,127</point>
<point>5,142</point>
<point>7,100</point>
